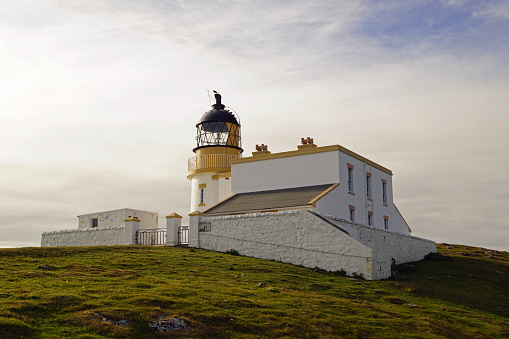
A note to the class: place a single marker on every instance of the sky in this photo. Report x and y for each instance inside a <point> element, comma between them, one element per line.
<point>99,102</point>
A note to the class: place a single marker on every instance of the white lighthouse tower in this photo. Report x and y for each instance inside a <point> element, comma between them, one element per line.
<point>217,143</point>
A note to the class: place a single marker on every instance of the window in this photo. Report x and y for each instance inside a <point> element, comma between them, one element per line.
<point>95,222</point>
<point>370,218</point>
<point>368,185</point>
<point>384,191</point>
<point>350,178</point>
<point>202,191</point>
<point>386,222</point>
<point>352,213</point>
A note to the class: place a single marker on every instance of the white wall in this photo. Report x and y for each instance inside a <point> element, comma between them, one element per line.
<point>302,238</point>
<point>386,245</point>
<point>148,220</point>
<point>288,172</point>
<point>215,190</point>
<point>295,237</point>
<point>112,235</point>
<point>325,168</point>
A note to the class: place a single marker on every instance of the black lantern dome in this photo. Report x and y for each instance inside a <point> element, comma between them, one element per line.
<point>218,127</point>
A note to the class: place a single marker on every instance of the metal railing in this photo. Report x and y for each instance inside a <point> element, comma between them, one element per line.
<point>151,237</point>
<point>210,161</point>
<point>183,235</point>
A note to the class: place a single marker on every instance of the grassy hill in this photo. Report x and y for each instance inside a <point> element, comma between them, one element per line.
<point>70,291</point>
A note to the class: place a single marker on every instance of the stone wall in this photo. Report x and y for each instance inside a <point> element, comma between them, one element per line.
<point>295,237</point>
<point>387,245</point>
<point>311,240</point>
<point>111,235</point>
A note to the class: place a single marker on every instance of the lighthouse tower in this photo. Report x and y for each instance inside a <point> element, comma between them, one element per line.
<point>217,142</point>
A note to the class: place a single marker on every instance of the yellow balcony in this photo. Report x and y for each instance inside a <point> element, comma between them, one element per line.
<point>210,163</point>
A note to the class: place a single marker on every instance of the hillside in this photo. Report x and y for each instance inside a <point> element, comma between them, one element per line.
<point>116,291</point>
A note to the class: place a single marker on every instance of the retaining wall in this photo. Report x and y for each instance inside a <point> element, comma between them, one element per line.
<point>303,238</point>
<point>295,237</point>
<point>387,245</point>
<point>110,235</point>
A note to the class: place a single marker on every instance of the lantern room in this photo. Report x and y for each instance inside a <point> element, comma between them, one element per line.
<point>218,127</point>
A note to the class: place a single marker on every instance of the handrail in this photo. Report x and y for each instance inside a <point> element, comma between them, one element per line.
<point>211,161</point>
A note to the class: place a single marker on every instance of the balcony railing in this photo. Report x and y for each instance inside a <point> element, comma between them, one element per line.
<point>210,161</point>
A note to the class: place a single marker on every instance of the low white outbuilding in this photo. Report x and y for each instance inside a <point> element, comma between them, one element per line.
<point>148,220</point>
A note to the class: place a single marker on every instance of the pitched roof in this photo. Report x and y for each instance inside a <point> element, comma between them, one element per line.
<point>270,200</point>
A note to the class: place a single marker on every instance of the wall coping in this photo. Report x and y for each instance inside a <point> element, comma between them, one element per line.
<point>290,212</point>
<point>250,215</point>
<point>373,228</point>
<point>85,229</point>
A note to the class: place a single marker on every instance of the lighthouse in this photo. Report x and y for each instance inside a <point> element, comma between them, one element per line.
<point>217,143</point>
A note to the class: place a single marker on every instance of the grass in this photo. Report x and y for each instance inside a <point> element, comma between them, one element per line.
<point>218,295</point>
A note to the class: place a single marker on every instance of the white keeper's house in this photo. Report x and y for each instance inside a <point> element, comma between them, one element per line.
<point>315,206</point>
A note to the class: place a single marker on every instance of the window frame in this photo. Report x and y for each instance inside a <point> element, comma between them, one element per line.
<point>386,222</point>
<point>351,209</point>
<point>370,218</point>
<point>384,192</point>
<point>369,188</point>
<point>350,178</point>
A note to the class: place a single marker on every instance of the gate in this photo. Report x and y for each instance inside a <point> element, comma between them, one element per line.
<point>151,237</point>
<point>183,235</point>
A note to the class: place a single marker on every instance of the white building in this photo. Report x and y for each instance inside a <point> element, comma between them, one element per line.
<point>148,220</point>
<point>124,226</point>
<point>331,180</point>
<point>324,207</point>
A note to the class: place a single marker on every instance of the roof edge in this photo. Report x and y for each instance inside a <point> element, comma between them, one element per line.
<point>217,204</point>
<point>402,217</point>
<point>321,195</point>
<point>311,150</point>
<point>262,210</point>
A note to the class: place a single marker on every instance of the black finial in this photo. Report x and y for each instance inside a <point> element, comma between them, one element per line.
<point>218,104</point>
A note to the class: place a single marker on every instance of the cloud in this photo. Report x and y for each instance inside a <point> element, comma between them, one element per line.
<point>492,10</point>
<point>100,100</point>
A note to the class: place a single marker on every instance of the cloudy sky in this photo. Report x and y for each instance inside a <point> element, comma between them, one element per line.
<point>99,101</point>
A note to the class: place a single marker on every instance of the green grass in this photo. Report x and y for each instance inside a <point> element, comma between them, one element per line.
<point>218,295</point>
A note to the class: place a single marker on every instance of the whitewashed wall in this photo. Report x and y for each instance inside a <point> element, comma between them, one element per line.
<point>112,235</point>
<point>289,172</point>
<point>302,238</point>
<point>211,192</point>
<point>295,237</point>
<point>387,245</point>
<point>325,168</point>
<point>215,190</point>
<point>148,220</point>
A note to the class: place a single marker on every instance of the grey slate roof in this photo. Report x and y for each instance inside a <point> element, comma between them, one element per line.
<point>268,200</point>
